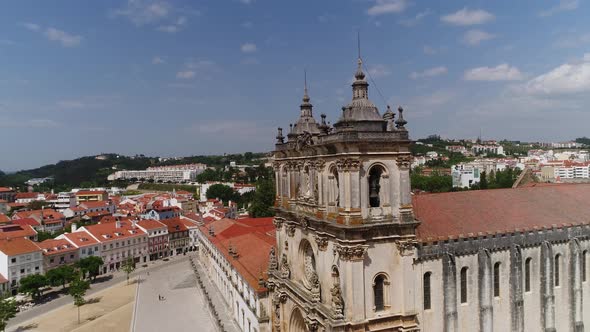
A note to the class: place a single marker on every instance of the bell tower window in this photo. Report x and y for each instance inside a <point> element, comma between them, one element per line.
<point>375,186</point>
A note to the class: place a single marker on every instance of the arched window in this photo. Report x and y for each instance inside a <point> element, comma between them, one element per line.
<point>426,290</point>
<point>464,284</point>
<point>583,265</point>
<point>556,268</point>
<point>378,289</point>
<point>334,191</point>
<point>497,279</point>
<point>527,274</point>
<point>375,186</point>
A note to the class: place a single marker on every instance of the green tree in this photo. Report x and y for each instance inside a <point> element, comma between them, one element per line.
<point>32,285</point>
<point>220,191</point>
<point>263,199</point>
<point>37,205</point>
<point>90,265</point>
<point>7,311</point>
<point>128,267</point>
<point>78,288</point>
<point>209,175</point>
<point>483,180</point>
<point>61,275</point>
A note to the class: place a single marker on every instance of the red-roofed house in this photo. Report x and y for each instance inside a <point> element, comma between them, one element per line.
<point>119,240</point>
<point>12,231</point>
<point>19,257</point>
<point>58,252</point>
<point>235,254</point>
<point>50,220</point>
<point>87,245</point>
<point>4,218</point>
<point>7,194</point>
<point>178,236</point>
<point>157,237</point>
<point>30,222</point>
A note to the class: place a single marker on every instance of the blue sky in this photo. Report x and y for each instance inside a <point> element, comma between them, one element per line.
<point>202,77</point>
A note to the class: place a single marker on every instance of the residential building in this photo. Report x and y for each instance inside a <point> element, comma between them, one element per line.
<point>120,240</point>
<point>230,250</point>
<point>50,219</point>
<point>4,218</point>
<point>7,194</point>
<point>63,201</point>
<point>87,245</point>
<point>30,222</point>
<point>178,236</point>
<point>26,198</point>
<point>12,231</point>
<point>91,196</point>
<point>58,252</point>
<point>485,149</point>
<point>171,173</point>
<point>162,213</point>
<point>157,238</point>
<point>19,257</point>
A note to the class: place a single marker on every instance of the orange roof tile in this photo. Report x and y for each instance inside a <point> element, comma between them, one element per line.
<point>16,231</point>
<point>151,224</point>
<point>53,246</point>
<point>174,225</point>
<point>4,218</point>
<point>18,246</point>
<point>501,210</point>
<point>81,239</point>
<point>109,231</point>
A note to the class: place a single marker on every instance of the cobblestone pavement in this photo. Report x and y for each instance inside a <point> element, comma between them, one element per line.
<point>183,307</point>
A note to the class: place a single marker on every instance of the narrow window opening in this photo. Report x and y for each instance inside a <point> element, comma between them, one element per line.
<point>378,293</point>
<point>497,279</point>
<point>464,285</point>
<point>426,289</point>
<point>584,265</point>
<point>527,275</point>
<point>375,186</point>
<point>556,273</point>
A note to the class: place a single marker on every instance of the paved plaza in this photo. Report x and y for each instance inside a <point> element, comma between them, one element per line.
<point>183,308</point>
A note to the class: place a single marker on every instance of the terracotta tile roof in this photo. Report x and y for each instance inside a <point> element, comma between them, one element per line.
<point>26,221</point>
<point>4,218</point>
<point>109,231</point>
<point>174,225</point>
<point>18,246</point>
<point>94,205</point>
<point>16,231</point>
<point>5,189</point>
<point>26,195</point>
<point>53,246</point>
<point>48,214</point>
<point>98,214</point>
<point>3,280</point>
<point>251,238</point>
<point>469,213</point>
<point>151,224</point>
<point>81,239</point>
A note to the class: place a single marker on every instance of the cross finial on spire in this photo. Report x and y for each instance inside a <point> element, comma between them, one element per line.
<point>305,80</point>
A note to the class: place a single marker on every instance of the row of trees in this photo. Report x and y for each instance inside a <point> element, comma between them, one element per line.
<point>496,180</point>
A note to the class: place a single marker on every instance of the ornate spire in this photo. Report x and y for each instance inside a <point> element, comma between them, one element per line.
<point>306,106</point>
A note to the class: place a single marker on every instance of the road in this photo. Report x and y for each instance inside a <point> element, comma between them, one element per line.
<point>96,287</point>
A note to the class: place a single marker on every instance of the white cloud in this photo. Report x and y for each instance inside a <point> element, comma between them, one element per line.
<point>564,5</point>
<point>502,72</point>
<point>185,74</point>
<point>157,60</point>
<point>246,2</point>
<point>568,78</point>
<point>466,17</point>
<point>410,22</point>
<point>142,12</point>
<point>378,70</point>
<point>176,26</point>
<point>248,48</point>
<point>429,50</point>
<point>432,72</point>
<point>572,40</point>
<point>62,37</point>
<point>31,26</point>
<point>475,37</point>
<point>387,7</point>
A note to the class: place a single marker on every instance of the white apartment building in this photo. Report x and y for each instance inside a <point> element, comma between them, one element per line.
<point>64,201</point>
<point>173,173</point>
<point>572,171</point>
<point>496,149</point>
<point>464,176</point>
<point>19,257</point>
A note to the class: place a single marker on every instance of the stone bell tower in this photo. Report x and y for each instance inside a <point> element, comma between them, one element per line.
<point>345,226</point>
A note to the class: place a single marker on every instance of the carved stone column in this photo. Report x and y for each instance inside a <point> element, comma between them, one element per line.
<point>516,293</point>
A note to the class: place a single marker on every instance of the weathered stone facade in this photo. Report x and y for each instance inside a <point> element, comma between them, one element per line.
<point>344,217</point>
<point>349,257</point>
